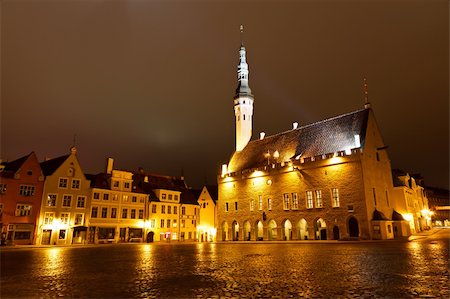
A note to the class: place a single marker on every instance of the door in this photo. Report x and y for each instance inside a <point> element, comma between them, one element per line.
<point>46,235</point>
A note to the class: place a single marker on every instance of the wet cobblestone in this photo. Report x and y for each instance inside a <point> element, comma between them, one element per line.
<point>417,269</point>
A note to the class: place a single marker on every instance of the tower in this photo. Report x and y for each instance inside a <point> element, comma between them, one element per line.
<point>243,102</point>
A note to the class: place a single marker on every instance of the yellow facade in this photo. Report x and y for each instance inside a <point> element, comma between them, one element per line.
<point>207,216</point>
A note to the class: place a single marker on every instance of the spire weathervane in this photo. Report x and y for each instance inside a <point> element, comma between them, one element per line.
<point>242,33</point>
<point>366,94</point>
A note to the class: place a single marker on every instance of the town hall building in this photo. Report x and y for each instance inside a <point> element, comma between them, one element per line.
<point>327,180</point>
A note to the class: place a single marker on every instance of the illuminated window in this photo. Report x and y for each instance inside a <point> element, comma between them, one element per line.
<point>113,212</point>
<point>236,205</point>
<point>48,217</point>
<point>62,183</point>
<point>163,196</point>
<point>133,214</point>
<point>152,223</point>
<point>106,196</point>
<point>26,190</point>
<point>104,212</point>
<point>96,195</point>
<point>141,214</point>
<point>319,202</point>
<point>94,212</point>
<point>51,200</point>
<point>252,205</point>
<point>162,223</point>
<point>153,208</point>
<point>169,209</point>
<point>115,197</point>
<point>79,219</point>
<point>269,204</point>
<point>294,201</point>
<point>2,188</point>
<point>62,234</point>
<point>67,200</point>
<point>174,223</point>
<point>309,200</point>
<point>286,201</point>
<point>65,218</point>
<point>168,223</point>
<point>125,198</point>
<point>81,201</point>
<point>335,197</point>
<point>163,209</point>
<point>23,210</point>
<point>124,213</point>
<point>76,184</point>
<point>260,203</point>
<point>175,210</point>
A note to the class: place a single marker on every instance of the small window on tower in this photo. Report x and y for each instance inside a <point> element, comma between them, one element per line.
<point>244,116</point>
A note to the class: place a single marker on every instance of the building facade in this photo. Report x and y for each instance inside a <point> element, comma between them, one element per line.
<point>207,204</point>
<point>21,186</point>
<point>327,180</point>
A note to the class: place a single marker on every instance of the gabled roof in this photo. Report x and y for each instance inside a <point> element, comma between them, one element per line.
<point>50,166</point>
<point>213,192</point>
<point>10,168</point>
<point>188,197</point>
<point>323,137</point>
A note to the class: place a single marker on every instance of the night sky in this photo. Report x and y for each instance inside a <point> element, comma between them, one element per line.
<point>151,83</point>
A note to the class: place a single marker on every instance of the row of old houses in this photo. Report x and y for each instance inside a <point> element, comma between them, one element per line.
<point>55,203</point>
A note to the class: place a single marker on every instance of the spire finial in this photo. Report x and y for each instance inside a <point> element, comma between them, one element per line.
<point>366,94</point>
<point>241,28</point>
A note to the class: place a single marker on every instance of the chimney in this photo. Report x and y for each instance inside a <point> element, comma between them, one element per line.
<point>294,125</point>
<point>261,135</point>
<point>109,165</point>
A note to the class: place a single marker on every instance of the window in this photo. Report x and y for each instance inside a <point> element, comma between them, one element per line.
<point>127,185</point>
<point>23,210</point>
<point>350,208</point>
<point>116,184</point>
<point>63,183</point>
<point>152,223</point>
<point>124,213</point>
<point>269,204</point>
<point>133,198</point>
<point>260,202</point>
<point>79,219</point>
<point>169,209</point>
<point>113,212</point>
<point>183,223</point>
<point>286,201</point>
<point>125,198</point>
<point>163,209</point>
<point>51,200</point>
<point>94,212</point>
<point>374,197</point>
<point>65,218</point>
<point>115,197</point>
<point>81,201</point>
<point>309,200</point>
<point>236,205</point>
<point>162,223</point>
<point>252,205</point>
<point>175,197</point>
<point>106,196</point>
<point>18,235</point>
<point>62,234</point>
<point>226,207</point>
<point>96,195</point>
<point>174,223</point>
<point>194,222</point>
<point>335,197</point>
<point>75,184</point>
<point>153,208</point>
<point>48,217</point>
<point>104,212</point>
<point>141,214</point>
<point>175,210</point>
<point>170,196</point>
<point>168,223</point>
<point>133,214</point>
<point>2,188</point>
<point>67,200</point>
<point>294,201</point>
<point>319,202</point>
<point>26,190</point>
<point>71,171</point>
<point>183,210</point>
<point>204,205</point>
<point>163,196</point>
<point>142,200</point>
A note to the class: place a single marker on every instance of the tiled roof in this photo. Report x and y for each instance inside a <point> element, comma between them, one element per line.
<point>50,166</point>
<point>323,137</point>
<point>188,197</point>
<point>10,168</point>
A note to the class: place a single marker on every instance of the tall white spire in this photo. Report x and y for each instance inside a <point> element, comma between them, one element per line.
<point>243,101</point>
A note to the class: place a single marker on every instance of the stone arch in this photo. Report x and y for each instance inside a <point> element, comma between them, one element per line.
<point>247,231</point>
<point>235,230</point>
<point>336,233</point>
<point>259,231</point>
<point>302,229</point>
<point>272,230</point>
<point>353,227</point>
<point>287,230</point>
<point>224,231</point>
<point>320,229</point>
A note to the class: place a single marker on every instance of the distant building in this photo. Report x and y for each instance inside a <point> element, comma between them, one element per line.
<point>208,212</point>
<point>327,180</point>
<point>439,203</point>
<point>21,185</point>
<point>64,208</point>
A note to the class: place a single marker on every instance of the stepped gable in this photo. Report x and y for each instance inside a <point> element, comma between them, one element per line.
<point>323,137</point>
<point>50,166</point>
